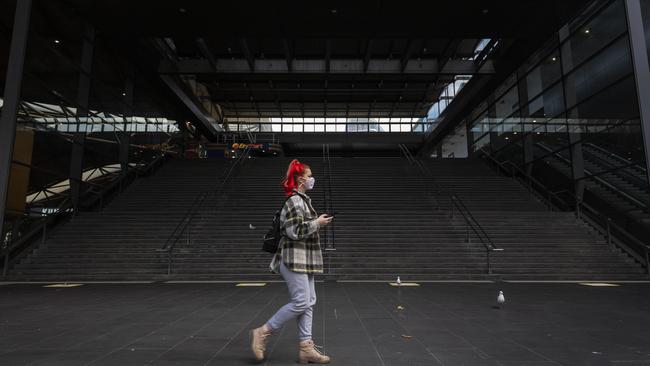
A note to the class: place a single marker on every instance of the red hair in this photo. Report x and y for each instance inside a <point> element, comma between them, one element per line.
<point>295,170</point>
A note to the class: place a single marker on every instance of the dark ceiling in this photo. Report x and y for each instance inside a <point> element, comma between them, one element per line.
<point>308,58</point>
<point>328,19</point>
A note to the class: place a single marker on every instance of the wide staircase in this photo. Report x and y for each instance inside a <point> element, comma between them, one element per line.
<point>537,243</point>
<point>391,221</point>
<point>120,242</point>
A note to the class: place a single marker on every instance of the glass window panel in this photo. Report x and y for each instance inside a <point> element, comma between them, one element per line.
<point>604,69</point>
<point>617,102</point>
<point>547,105</point>
<point>590,38</point>
<point>507,104</point>
<point>543,76</point>
<point>482,143</point>
<point>480,126</point>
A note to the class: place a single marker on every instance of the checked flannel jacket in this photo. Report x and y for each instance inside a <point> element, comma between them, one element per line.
<point>299,247</point>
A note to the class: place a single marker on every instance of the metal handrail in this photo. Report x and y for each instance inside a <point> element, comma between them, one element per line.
<point>200,198</point>
<point>479,232</point>
<point>606,231</point>
<point>621,170</point>
<point>470,220</point>
<point>197,204</point>
<point>425,173</point>
<point>406,153</point>
<point>641,205</point>
<point>331,201</point>
<point>65,209</point>
<point>615,156</point>
<point>580,207</point>
<point>528,180</point>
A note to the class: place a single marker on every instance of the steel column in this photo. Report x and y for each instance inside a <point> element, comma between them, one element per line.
<point>11,97</point>
<point>83,96</point>
<point>641,70</point>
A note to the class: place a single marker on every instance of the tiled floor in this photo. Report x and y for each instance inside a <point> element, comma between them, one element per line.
<point>358,323</point>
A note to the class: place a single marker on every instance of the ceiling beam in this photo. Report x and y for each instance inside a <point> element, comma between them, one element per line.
<point>320,66</point>
<point>368,54</point>
<point>288,52</point>
<point>328,54</point>
<point>406,55</point>
<point>210,124</point>
<point>205,51</point>
<point>248,56</point>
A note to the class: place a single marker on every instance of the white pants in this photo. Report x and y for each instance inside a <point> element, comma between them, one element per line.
<point>303,298</point>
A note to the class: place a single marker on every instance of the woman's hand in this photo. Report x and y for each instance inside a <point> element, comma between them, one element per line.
<point>323,220</point>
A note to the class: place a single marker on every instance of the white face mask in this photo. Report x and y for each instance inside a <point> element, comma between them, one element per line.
<point>309,183</point>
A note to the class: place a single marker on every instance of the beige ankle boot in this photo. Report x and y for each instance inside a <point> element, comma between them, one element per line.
<point>310,354</point>
<point>258,342</point>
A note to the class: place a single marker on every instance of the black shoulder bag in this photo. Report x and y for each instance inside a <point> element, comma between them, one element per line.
<point>272,237</point>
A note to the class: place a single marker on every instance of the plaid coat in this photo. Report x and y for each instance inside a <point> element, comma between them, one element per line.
<point>299,247</point>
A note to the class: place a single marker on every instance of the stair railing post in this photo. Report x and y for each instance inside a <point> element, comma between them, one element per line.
<point>169,261</point>
<point>451,208</point>
<point>6,244</point>
<point>647,260</point>
<point>609,231</point>
<point>489,265</point>
<point>188,231</point>
<point>6,261</point>
<point>44,233</point>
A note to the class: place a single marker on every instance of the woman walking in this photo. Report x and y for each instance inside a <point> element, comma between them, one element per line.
<point>298,258</point>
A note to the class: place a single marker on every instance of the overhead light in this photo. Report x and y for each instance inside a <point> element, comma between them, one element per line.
<point>587,31</point>
<point>182,10</point>
<point>534,120</point>
<point>515,132</point>
<point>507,138</point>
<point>56,41</point>
<point>554,59</point>
<point>124,94</point>
<point>333,11</point>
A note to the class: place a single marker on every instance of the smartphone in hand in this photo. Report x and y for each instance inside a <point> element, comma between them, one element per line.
<point>331,214</point>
